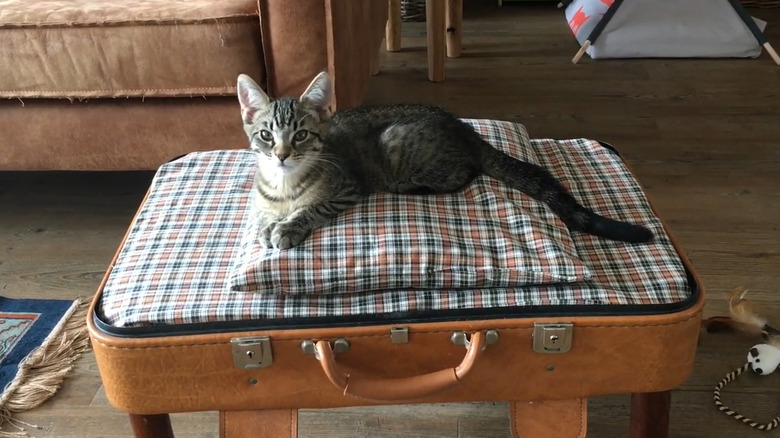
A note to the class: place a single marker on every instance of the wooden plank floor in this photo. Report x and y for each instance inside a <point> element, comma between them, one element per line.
<point>702,136</point>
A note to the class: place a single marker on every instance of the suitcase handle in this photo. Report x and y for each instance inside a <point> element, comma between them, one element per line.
<point>397,389</point>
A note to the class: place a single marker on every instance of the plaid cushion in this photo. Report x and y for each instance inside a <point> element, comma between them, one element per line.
<point>174,267</point>
<point>483,236</point>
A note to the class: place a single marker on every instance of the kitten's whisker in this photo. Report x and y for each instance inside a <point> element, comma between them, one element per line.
<point>322,160</point>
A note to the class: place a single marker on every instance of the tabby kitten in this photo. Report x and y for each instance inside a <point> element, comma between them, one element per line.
<point>312,165</point>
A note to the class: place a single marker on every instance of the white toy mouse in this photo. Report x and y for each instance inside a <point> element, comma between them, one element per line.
<point>763,359</point>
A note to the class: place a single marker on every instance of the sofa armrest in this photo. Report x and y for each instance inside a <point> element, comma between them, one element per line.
<point>300,38</point>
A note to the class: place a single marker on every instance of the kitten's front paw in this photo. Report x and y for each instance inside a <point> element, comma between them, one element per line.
<point>265,234</point>
<point>285,236</point>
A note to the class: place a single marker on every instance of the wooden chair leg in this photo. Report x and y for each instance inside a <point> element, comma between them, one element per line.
<point>151,426</point>
<point>650,414</point>
<point>454,28</point>
<point>436,30</point>
<point>393,27</point>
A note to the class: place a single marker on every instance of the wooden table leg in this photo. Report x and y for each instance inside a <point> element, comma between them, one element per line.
<point>436,30</point>
<point>151,426</point>
<point>393,27</point>
<point>650,414</point>
<point>454,28</point>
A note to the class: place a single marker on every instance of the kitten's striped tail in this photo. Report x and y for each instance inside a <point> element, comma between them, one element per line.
<point>540,184</point>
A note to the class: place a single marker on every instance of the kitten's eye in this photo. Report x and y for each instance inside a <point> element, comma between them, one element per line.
<point>266,135</point>
<point>301,135</point>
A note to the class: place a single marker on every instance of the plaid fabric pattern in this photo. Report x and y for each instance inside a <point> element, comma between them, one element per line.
<point>175,265</point>
<point>484,236</point>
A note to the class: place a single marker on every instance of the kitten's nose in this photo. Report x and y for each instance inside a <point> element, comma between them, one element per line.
<point>282,156</point>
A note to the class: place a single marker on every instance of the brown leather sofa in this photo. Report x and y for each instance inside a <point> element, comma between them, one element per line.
<point>125,85</point>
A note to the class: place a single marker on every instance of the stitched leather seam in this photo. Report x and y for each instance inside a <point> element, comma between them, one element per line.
<point>583,413</point>
<point>515,422</point>
<point>226,19</point>
<point>127,90</point>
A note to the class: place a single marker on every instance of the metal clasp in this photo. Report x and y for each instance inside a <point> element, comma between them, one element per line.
<point>552,338</point>
<point>460,338</point>
<point>399,335</point>
<point>251,353</point>
<point>340,345</point>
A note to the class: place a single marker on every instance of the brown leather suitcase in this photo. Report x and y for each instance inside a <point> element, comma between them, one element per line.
<point>179,325</point>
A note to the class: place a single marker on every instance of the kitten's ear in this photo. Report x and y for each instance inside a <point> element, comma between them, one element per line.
<point>317,95</point>
<point>251,97</point>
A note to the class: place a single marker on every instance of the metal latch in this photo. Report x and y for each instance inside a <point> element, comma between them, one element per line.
<point>251,353</point>
<point>461,338</point>
<point>340,345</point>
<point>399,335</point>
<point>552,338</point>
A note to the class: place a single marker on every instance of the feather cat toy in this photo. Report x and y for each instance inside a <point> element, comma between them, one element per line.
<point>762,359</point>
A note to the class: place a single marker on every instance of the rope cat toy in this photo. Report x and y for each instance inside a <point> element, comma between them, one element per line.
<point>762,359</point>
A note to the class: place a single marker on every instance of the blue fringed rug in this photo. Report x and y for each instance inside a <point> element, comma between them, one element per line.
<point>39,341</point>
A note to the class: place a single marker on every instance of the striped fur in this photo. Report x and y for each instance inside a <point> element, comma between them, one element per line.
<point>399,148</point>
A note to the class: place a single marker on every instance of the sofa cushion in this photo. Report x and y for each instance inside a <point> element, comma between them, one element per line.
<point>139,48</point>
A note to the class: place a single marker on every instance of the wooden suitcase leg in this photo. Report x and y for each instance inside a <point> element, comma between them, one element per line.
<point>151,426</point>
<point>277,423</point>
<point>549,418</point>
<point>650,414</point>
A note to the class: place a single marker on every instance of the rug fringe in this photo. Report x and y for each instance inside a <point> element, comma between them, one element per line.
<point>42,371</point>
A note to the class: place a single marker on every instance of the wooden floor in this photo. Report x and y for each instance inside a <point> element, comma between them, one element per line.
<point>702,135</point>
